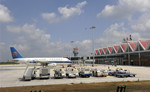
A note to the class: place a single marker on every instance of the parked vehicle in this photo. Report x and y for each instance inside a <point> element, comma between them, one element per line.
<point>111,72</point>
<point>124,73</point>
<point>119,72</point>
<point>85,72</point>
<point>71,72</point>
<point>99,73</point>
<point>44,72</point>
<point>58,73</point>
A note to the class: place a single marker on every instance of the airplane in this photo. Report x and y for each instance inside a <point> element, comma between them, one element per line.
<point>17,57</point>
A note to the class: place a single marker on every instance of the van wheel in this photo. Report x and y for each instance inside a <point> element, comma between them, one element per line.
<point>67,75</point>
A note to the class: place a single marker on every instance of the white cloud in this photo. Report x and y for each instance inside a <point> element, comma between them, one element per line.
<point>3,52</point>
<point>68,12</point>
<point>13,29</point>
<point>31,41</point>
<point>114,35</point>
<point>51,17</point>
<point>5,14</point>
<point>29,37</point>
<point>137,26</point>
<point>142,25</point>
<point>85,47</point>
<point>125,9</point>
<point>65,13</point>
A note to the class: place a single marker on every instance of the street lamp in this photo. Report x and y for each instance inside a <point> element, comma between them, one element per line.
<point>93,27</point>
<point>71,48</point>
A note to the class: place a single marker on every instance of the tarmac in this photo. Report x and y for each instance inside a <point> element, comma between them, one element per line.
<point>11,76</point>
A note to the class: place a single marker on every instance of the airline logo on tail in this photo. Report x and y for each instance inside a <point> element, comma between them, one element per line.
<point>15,54</point>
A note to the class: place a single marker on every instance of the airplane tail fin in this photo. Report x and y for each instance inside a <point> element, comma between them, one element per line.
<point>15,53</point>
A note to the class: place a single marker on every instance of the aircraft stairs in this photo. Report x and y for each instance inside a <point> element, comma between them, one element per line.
<point>30,72</point>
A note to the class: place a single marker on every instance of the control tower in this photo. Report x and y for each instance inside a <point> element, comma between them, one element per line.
<point>75,52</point>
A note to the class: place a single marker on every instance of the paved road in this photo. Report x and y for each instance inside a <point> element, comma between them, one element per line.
<point>11,75</point>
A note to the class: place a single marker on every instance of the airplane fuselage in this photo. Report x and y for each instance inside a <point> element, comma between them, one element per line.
<point>42,60</point>
<point>17,57</point>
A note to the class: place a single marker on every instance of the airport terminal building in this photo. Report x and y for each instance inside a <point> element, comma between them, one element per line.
<point>128,53</point>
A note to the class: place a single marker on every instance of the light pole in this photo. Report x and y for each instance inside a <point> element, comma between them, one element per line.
<point>139,54</point>
<point>71,48</point>
<point>128,54</point>
<point>93,27</point>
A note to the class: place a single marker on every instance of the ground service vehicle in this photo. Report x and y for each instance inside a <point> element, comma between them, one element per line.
<point>44,72</point>
<point>71,72</point>
<point>121,73</point>
<point>111,72</point>
<point>99,73</point>
<point>85,72</point>
<point>124,73</point>
<point>58,73</point>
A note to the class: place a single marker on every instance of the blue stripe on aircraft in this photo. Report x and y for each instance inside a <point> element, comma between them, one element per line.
<point>59,61</point>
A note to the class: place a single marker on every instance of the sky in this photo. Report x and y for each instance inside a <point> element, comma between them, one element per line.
<point>46,28</point>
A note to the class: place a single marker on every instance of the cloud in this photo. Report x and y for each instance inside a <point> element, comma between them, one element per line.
<point>5,14</point>
<point>3,52</point>
<point>51,17</point>
<point>85,47</point>
<point>13,29</point>
<point>29,37</point>
<point>65,13</point>
<point>31,41</point>
<point>125,9</point>
<point>30,33</point>
<point>142,25</point>
<point>137,26</point>
<point>112,35</point>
